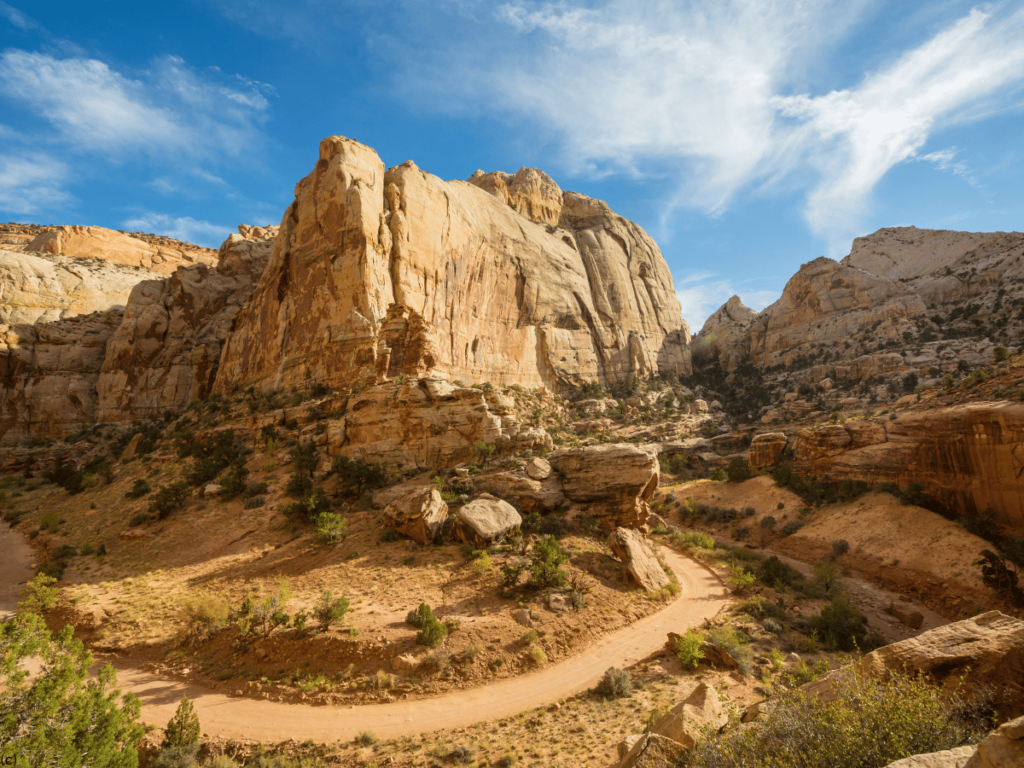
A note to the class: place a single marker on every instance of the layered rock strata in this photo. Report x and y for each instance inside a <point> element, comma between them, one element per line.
<point>969,457</point>
<point>378,274</point>
<point>161,255</point>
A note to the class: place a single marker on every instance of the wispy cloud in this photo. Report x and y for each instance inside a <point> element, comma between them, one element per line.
<point>17,18</point>
<point>169,110</point>
<point>715,92</point>
<point>32,182</point>
<point>945,160</point>
<point>182,228</point>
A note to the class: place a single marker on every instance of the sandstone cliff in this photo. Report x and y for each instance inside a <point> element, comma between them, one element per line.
<point>503,279</point>
<point>968,457</point>
<point>161,255</point>
<point>165,353</point>
<point>88,341</point>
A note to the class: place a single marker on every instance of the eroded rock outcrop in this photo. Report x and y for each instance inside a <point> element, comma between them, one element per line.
<point>380,273</point>
<point>421,423</point>
<point>724,336</point>
<point>161,255</point>
<point>418,515</point>
<point>617,482</point>
<point>166,352</point>
<point>765,450</point>
<point>968,457</point>
<point>42,288</point>
<point>629,546</point>
<point>484,520</point>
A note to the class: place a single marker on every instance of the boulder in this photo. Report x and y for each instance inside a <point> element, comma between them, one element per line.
<point>212,489</point>
<point>718,657</point>
<point>407,662</point>
<point>685,721</point>
<point>652,750</point>
<point>765,450</point>
<point>629,546</point>
<point>1003,748</point>
<point>418,515</point>
<point>616,482</point>
<point>485,520</point>
<point>529,495</point>
<point>626,744</point>
<point>906,613</point>
<point>982,656</point>
<point>559,603</point>
<point>522,617</point>
<point>132,448</point>
<point>538,469</point>
<point>949,758</point>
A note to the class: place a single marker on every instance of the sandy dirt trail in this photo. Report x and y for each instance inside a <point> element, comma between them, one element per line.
<point>701,596</point>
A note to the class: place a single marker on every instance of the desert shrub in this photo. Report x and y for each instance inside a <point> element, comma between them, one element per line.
<point>169,498</point>
<point>212,456</point>
<point>233,482</point>
<point>365,738</point>
<point>177,757</point>
<point>311,506</point>
<point>255,502</point>
<point>329,610</point>
<point>840,547</point>
<point>841,625</point>
<point>719,475</point>
<point>139,489</point>
<point>742,581</point>
<point>204,614</point>
<point>791,527</point>
<point>51,522</point>
<point>738,471</point>
<point>39,595</point>
<point>330,527</point>
<point>1001,354</point>
<point>357,476</point>
<point>689,648</point>
<point>58,715</point>
<point>432,633</point>
<point>776,574</point>
<point>545,560</point>
<point>734,643</point>
<point>1002,575</point>
<point>537,655</point>
<point>828,578</point>
<point>420,616</point>
<point>253,490</point>
<point>802,673</point>
<point>760,608</point>
<point>869,724</point>
<point>183,729</point>
<point>615,684</point>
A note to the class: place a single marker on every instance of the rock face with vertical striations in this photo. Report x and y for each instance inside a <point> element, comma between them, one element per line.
<point>166,351</point>
<point>502,278</point>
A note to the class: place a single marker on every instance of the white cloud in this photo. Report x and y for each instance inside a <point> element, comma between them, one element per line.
<point>167,111</point>
<point>182,228</point>
<point>17,18</point>
<point>700,295</point>
<point>712,92</point>
<point>30,183</point>
<point>945,160</point>
<point>857,135</point>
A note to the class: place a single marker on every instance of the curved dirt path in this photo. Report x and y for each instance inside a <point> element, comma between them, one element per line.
<point>701,596</point>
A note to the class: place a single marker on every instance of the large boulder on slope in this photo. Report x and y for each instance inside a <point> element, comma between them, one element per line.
<point>616,482</point>
<point>629,546</point>
<point>418,515</point>
<point>485,520</point>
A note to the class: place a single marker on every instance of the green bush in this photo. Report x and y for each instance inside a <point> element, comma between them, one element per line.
<point>183,729</point>
<point>841,625</point>
<point>330,527</point>
<point>432,633</point>
<point>233,482</point>
<point>869,724</point>
<point>738,471</point>
<point>169,498</point>
<point>689,648</point>
<point>329,610</point>
<point>59,716</point>
<point>545,560</point>
<point>357,476</point>
<point>615,684</point>
<point>139,489</point>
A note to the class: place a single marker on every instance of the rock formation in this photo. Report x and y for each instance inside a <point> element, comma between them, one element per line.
<point>380,273</point>
<point>617,482</point>
<point>484,520</point>
<point>41,288</point>
<point>629,546</point>
<point>141,348</point>
<point>418,515</point>
<point>161,255</point>
<point>904,301</point>
<point>968,457</point>
<point>166,351</point>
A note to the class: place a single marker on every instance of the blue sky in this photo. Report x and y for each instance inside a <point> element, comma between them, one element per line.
<point>746,137</point>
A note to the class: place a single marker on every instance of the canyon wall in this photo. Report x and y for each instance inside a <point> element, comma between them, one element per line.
<point>502,278</point>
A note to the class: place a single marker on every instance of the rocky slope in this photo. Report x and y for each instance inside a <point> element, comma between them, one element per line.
<point>378,274</point>
<point>905,302</point>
